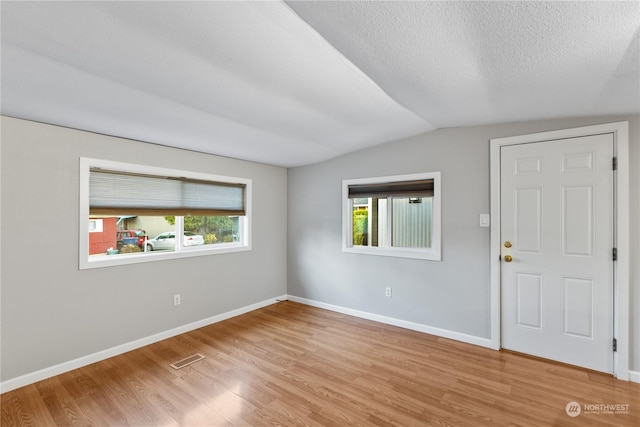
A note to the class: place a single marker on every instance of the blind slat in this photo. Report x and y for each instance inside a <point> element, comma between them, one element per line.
<point>114,192</point>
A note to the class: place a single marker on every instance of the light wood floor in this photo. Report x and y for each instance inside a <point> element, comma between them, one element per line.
<point>290,364</point>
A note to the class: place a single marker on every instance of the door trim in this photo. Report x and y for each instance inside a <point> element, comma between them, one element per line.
<point>620,131</point>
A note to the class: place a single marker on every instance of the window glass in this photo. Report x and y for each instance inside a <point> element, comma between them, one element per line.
<point>411,227</point>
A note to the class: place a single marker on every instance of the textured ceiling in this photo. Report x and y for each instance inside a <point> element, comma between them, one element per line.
<point>299,82</point>
<point>465,63</point>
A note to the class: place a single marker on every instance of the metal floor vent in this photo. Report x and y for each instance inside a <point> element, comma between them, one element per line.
<point>188,361</point>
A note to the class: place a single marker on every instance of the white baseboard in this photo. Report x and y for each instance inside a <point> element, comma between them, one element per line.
<point>457,336</point>
<point>634,376</point>
<point>61,368</point>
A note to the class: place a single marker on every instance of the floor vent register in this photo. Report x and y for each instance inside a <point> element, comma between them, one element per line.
<point>187,361</point>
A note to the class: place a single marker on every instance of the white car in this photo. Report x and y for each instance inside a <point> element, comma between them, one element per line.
<point>167,241</point>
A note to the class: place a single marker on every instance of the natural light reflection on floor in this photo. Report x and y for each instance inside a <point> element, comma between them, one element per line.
<point>220,410</point>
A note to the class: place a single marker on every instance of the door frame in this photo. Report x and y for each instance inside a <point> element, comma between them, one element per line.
<point>620,131</point>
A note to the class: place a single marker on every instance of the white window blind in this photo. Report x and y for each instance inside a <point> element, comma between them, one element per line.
<point>113,192</point>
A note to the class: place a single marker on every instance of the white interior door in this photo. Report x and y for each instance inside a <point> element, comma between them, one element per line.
<point>557,232</point>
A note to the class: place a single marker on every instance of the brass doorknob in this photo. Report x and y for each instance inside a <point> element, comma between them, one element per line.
<point>507,244</point>
<point>508,258</point>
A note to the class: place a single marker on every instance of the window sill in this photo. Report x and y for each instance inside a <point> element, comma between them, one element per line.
<point>424,254</point>
<point>100,261</point>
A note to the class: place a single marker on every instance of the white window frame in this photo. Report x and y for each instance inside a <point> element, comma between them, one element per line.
<point>88,262</point>
<point>433,253</point>
<point>99,225</point>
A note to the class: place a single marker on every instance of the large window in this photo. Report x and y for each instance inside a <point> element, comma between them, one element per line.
<point>147,213</point>
<point>394,216</point>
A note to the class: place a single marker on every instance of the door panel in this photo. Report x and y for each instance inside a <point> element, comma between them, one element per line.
<point>532,166</point>
<point>529,300</point>
<point>577,162</point>
<point>578,310</point>
<point>528,219</point>
<point>577,221</point>
<point>557,213</point>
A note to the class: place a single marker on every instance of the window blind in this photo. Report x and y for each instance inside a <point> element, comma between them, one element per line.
<point>417,188</point>
<point>117,192</point>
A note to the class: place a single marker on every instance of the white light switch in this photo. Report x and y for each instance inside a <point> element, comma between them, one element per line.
<point>485,220</point>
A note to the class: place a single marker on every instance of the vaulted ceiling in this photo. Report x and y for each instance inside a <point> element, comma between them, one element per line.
<point>293,83</point>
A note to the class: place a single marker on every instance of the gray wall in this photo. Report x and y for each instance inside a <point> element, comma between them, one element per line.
<point>52,313</point>
<point>453,294</point>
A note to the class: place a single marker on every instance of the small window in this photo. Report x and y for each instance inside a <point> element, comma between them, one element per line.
<point>140,213</point>
<point>95,226</point>
<point>393,216</point>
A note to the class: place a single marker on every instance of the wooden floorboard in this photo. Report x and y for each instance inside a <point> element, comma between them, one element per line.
<point>293,365</point>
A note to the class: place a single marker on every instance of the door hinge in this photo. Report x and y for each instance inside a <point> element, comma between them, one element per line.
<point>615,163</point>
<point>615,344</point>
<point>615,254</point>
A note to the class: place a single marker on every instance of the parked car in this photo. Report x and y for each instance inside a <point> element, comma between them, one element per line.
<point>167,241</point>
<point>130,237</point>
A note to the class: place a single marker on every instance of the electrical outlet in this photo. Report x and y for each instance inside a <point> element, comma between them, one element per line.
<point>176,299</point>
<point>387,292</point>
